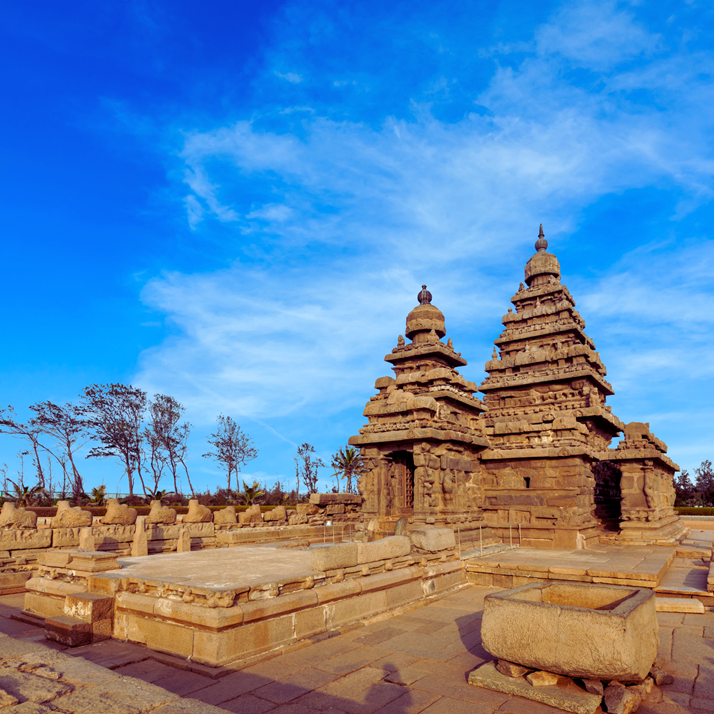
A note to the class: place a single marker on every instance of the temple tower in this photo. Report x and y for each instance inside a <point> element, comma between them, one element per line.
<point>424,433</point>
<point>549,467</point>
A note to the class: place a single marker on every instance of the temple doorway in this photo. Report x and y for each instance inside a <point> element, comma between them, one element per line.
<point>608,496</point>
<point>403,484</point>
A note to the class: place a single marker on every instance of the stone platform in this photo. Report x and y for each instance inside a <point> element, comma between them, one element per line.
<point>415,661</point>
<point>681,572</point>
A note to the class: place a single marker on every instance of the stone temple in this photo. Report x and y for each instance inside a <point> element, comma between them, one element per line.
<point>534,455</point>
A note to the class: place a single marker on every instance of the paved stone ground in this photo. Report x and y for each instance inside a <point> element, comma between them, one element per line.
<point>408,663</point>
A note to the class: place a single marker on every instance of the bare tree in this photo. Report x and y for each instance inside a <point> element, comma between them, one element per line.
<point>233,448</point>
<point>10,425</point>
<point>67,427</point>
<point>165,434</point>
<point>114,414</point>
<point>306,467</point>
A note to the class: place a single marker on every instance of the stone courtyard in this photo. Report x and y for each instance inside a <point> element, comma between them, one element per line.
<point>411,661</point>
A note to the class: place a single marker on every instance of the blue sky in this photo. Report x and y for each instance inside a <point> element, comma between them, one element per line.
<point>237,203</point>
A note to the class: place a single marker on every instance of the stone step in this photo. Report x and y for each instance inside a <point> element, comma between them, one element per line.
<point>679,604</point>
<point>68,631</point>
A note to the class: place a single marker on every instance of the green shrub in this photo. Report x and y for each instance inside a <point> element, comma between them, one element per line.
<point>695,510</point>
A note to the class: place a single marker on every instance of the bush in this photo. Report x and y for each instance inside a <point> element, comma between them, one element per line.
<point>695,510</point>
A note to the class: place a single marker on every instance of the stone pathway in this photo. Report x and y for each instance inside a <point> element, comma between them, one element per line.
<point>409,663</point>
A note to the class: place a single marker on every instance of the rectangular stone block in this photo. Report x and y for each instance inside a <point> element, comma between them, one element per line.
<point>25,539</point>
<point>14,582</point>
<point>65,537</point>
<point>333,557</point>
<point>68,631</point>
<point>273,607</point>
<point>55,559</point>
<point>156,634</point>
<point>44,605</point>
<point>324,499</point>
<point>338,591</point>
<point>219,648</point>
<point>383,549</point>
<point>309,623</point>
<point>59,588</point>
<point>344,612</point>
<point>89,607</point>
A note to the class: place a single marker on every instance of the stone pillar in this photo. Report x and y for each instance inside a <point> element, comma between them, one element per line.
<point>140,545</point>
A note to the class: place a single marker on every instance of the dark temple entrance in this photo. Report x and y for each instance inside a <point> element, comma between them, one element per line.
<point>607,495</point>
<point>403,475</point>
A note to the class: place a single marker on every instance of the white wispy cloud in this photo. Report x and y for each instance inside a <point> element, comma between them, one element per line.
<point>355,215</point>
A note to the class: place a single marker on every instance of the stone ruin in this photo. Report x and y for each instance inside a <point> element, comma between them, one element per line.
<point>534,454</point>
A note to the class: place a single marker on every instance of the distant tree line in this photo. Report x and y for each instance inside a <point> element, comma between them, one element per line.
<point>149,438</point>
<point>699,492</point>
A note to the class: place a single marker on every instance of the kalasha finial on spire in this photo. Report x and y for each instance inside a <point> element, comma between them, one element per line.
<point>424,296</point>
<point>541,243</point>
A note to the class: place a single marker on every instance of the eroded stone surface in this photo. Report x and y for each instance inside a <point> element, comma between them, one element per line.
<point>160,514</point>
<point>119,514</point>
<point>568,697</point>
<point>225,515</point>
<point>197,513</point>
<point>71,517</point>
<point>541,626</point>
<point>542,679</point>
<point>13,517</point>
<point>511,669</point>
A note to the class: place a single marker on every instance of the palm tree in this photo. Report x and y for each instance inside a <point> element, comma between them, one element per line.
<point>99,494</point>
<point>251,493</point>
<point>348,464</point>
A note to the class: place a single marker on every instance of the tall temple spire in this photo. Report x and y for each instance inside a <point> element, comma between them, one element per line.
<point>541,243</point>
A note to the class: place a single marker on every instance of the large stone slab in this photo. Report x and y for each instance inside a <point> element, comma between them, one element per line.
<point>574,629</point>
<point>25,539</point>
<point>326,499</point>
<point>433,540</point>
<point>565,695</point>
<point>383,549</point>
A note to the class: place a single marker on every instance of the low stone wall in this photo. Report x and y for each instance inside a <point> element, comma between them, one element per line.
<point>82,601</point>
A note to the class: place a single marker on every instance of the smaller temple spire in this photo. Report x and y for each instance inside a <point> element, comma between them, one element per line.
<point>541,243</point>
<point>424,296</point>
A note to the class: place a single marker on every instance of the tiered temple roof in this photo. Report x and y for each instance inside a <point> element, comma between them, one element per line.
<point>546,387</point>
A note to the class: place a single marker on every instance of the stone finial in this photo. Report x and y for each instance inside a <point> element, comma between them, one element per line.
<point>400,341</point>
<point>450,344</point>
<point>495,354</point>
<point>541,243</point>
<point>424,297</point>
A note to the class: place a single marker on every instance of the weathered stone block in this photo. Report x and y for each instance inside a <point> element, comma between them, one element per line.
<point>88,607</point>
<point>183,542</point>
<point>335,556</point>
<point>70,517</point>
<point>540,626</point>
<point>276,514</point>
<point>383,549</point>
<point>25,539</point>
<point>68,631</point>
<point>335,509</point>
<point>568,697</point>
<point>433,540</point>
<point>251,515</point>
<point>326,499</point>
<point>65,537</point>
<point>13,517</point>
<point>307,509</point>
<point>119,514</point>
<point>160,514</point>
<point>197,513</point>
<point>225,515</point>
